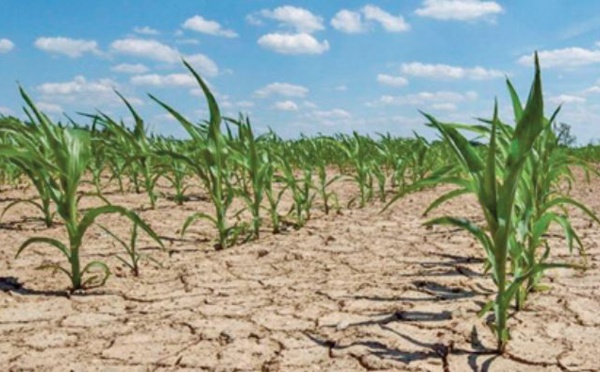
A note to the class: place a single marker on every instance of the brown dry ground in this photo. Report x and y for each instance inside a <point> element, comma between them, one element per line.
<point>358,290</point>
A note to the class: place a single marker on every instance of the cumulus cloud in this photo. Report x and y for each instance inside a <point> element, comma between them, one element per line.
<point>353,22</point>
<point>389,22</point>
<point>6,45</point>
<point>300,19</point>
<point>78,85</point>
<point>70,47</point>
<point>82,91</point>
<point>5,111</point>
<point>424,98</point>
<point>566,57</point>
<point>332,114</point>
<point>444,106</point>
<point>441,71</point>
<point>393,81</point>
<point>49,108</point>
<point>170,80</point>
<point>282,89</point>
<point>200,24</point>
<point>349,22</point>
<point>127,68</point>
<point>302,43</point>
<point>286,106</point>
<point>459,10</point>
<point>155,50</point>
<point>203,64</point>
<point>567,98</point>
<point>150,49</point>
<point>145,30</point>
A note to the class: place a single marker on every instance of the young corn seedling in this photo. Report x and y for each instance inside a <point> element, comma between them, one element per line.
<point>134,256</point>
<point>136,147</point>
<point>256,168</point>
<point>70,154</point>
<point>29,136</point>
<point>173,170</point>
<point>209,162</point>
<point>496,178</point>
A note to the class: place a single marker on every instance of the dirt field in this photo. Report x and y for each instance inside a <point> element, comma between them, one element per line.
<point>360,290</point>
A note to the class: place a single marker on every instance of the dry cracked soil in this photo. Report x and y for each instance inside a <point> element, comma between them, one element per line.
<point>356,290</point>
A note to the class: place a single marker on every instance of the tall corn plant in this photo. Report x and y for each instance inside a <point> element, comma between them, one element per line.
<point>209,162</point>
<point>496,178</point>
<point>69,156</point>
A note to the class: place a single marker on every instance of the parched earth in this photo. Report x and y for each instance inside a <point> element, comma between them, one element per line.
<point>359,290</point>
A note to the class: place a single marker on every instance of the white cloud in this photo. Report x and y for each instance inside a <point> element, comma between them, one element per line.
<point>282,89</point>
<point>302,20</point>
<point>78,85</point>
<point>302,43</point>
<point>458,10</point>
<point>440,71</point>
<point>332,114</point>
<point>566,98</point>
<point>286,106</point>
<point>187,41</point>
<point>70,47</point>
<point>6,45</point>
<point>567,57</point>
<point>146,30</point>
<point>203,64</point>
<point>5,111</point>
<point>49,108</point>
<point>200,24</point>
<point>424,98</point>
<point>150,49</point>
<point>127,68</point>
<point>341,88</point>
<point>244,104</point>
<point>349,22</point>
<point>393,81</point>
<point>158,51</point>
<point>389,22</point>
<point>253,20</point>
<point>171,80</point>
<point>444,106</point>
<point>83,92</point>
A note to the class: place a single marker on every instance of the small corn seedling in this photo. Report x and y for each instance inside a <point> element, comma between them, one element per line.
<point>135,146</point>
<point>173,170</point>
<point>504,182</point>
<point>209,162</point>
<point>355,148</point>
<point>68,157</point>
<point>134,256</point>
<point>28,136</point>
<point>257,175</point>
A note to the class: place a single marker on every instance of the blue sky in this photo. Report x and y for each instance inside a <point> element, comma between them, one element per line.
<point>303,66</point>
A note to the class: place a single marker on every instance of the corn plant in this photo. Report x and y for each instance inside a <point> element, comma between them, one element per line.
<point>69,154</point>
<point>24,136</point>
<point>173,170</point>
<point>501,181</point>
<point>209,162</point>
<point>355,148</point>
<point>135,146</point>
<point>257,175</point>
<point>134,257</point>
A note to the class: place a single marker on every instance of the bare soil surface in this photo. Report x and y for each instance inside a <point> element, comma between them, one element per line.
<point>359,290</point>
